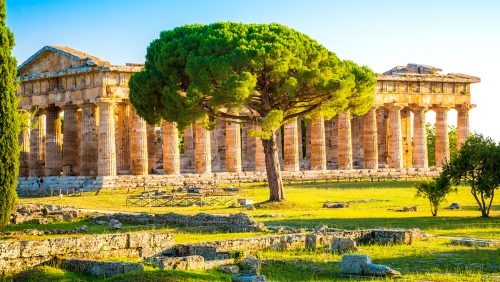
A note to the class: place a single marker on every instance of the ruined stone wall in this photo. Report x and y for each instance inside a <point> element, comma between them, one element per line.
<point>19,255</point>
<point>238,222</point>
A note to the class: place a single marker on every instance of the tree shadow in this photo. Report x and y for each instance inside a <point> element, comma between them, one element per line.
<point>426,222</point>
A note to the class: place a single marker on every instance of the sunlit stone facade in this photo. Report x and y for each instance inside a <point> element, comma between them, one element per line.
<point>83,124</point>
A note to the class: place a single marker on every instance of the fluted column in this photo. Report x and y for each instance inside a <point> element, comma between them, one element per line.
<point>24,156</point>
<point>370,144</point>
<point>53,142</point>
<point>233,147</point>
<point>406,135</point>
<point>344,141</point>
<point>420,159</point>
<point>151,136</point>
<point>171,157</point>
<point>88,146</point>
<point>202,148</point>
<point>122,137</point>
<point>106,164</point>
<point>395,142</point>
<point>463,129</point>
<point>318,149</point>
<point>37,145</point>
<point>138,145</point>
<point>291,145</point>
<point>442,142</point>
<point>71,141</point>
<point>260,158</point>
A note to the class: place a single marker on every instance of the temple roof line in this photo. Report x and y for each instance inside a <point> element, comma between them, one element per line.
<point>419,72</point>
<point>70,52</point>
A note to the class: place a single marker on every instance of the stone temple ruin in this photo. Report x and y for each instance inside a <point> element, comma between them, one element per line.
<point>103,142</point>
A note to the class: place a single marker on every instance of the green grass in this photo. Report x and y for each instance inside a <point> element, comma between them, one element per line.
<point>424,259</point>
<point>48,273</point>
<point>305,207</point>
<point>433,260</point>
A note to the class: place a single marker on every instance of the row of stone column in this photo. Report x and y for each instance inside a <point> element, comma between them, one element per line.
<point>107,137</point>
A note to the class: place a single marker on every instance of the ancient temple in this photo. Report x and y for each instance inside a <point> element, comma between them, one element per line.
<point>83,125</point>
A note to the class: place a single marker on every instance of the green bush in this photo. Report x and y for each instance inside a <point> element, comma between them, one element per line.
<point>435,191</point>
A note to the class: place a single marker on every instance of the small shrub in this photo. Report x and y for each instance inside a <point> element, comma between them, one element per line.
<point>435,191</point>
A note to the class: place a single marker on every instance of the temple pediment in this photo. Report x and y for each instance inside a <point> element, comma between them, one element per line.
<point>56,58</point>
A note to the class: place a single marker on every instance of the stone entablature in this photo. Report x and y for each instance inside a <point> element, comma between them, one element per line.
<point>104,136</point>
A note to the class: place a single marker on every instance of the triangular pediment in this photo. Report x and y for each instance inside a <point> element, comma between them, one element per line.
<point>56,58</point>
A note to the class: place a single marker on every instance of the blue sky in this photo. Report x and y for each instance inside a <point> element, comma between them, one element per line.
<point>458,36</point>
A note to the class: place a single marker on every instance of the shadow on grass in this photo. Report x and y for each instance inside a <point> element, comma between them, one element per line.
<point>448,264</point>
<point>442,223</point>
<point>475,260</point>
<point>46,273</point>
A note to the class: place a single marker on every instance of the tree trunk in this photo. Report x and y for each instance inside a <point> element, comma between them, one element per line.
<point>276,192</point>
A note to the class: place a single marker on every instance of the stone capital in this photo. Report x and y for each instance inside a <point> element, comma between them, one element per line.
<point>394,107</point>
<point>464,107</point>
<point>441,108</point>
<point>419,107</point>
<point>106,102</point>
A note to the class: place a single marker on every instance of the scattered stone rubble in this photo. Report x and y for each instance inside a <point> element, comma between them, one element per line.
<point>356,264</point>
<point>476,242</point>
<point>455,206</point>
<point>42,214</point>
<point>239,222</point>
<point>410,209</point>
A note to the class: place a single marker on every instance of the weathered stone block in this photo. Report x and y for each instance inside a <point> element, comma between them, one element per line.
<point>354,264</point>
<point>10,249</point>
<point>343,245</point>
<point>180,263</point>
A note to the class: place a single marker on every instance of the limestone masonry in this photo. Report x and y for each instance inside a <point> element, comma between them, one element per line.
<point>103,136</point>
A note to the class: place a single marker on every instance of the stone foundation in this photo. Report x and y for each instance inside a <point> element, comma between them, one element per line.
<point>238,222</point>
<point>16,256</point>
<point>28,185</point>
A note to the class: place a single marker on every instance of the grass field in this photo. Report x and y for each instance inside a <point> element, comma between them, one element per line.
<point>305,207</point>
<point>432,260</point>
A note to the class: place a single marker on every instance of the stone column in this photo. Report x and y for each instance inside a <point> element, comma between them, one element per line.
<point>370,144</point>
<point>291,145</point>
<point>53,143</point>
<point>138,145</point>
<point>151,136</point>
<point>71,141</point>
<point>420,159</point>
<point>357,141</point>
<point>395,142</point>
<point>202,148</point>
<point>233,147</point>
<point>260,157</point>
<point>122,137</point>
<point>442,142</point>
<point>88,145</point>
<point>171,156</point>
<point>318,149</point>
<point>37,145</point>
<point>382,125</point>
<point>24,157</point>
<point>344,141</point>
<point>463,129</point>
<point>188,155</point>
<point>406,135</point>
<point>106,164</point>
